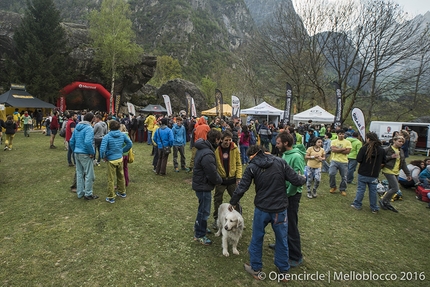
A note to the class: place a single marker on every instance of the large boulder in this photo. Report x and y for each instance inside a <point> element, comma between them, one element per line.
<point>176,89</point>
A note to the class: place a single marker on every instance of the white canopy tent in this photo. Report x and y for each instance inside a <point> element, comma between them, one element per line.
<point>264,109</point>
<point>316,114</point>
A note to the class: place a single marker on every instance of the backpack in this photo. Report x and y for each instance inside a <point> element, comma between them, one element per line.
<point>63,130</point>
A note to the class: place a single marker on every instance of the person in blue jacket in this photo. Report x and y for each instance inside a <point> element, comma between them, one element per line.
<point>179,141</point>
<point>163,137</point>
<point>112,149</point>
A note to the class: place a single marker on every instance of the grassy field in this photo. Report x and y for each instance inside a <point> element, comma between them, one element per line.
<point>49,237</point>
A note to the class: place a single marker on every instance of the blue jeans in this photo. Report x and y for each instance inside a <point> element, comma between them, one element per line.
<point>332,171</point>
<point>352,166</point>
<point>70,155</point>
<point>84,175</point>
<point>279,222</point>
<point>149,137</point>
<point>243,156</point>
<point>203,213</point>
<point>372,183</point>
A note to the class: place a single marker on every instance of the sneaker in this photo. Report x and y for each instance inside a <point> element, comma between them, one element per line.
<point>355,207</point>
<point>257,274</point>
<point>73,189</point>
<point>110,200</point>
<point>9,148</point>
<point>186,169</point>
<point>314,194</point>
<point>333,189</point>
<point>295,263</point>
<point>203,240</point>
<point>309,196</point>
<point>190,170</point>
<point>343,193</point>
<point>122,195</point>
<point>52,146</point>
<point>71,164</point>
<point>91,197</point>
<point>5,148</point>
<point>176,169</point>
<point>375,211</point>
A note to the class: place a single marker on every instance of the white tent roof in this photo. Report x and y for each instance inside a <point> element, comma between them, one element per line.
<point>262,109</point>
<point>316,114</point>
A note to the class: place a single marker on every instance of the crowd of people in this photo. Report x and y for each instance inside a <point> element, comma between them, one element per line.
<point>227,154</point>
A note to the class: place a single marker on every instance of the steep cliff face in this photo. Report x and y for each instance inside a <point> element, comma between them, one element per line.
<point>262,10</point>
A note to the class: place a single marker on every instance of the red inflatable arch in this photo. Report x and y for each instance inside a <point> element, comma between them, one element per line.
<point>61,102</point>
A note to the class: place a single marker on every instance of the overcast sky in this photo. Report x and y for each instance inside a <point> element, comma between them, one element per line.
<point>415,7</point>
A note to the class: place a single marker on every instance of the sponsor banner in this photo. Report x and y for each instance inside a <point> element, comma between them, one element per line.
<point>168,105</point>
<point>131,108</point>
<point>235,106</point>
<point>358,118</point>
<point>287,109</point>
<point>193,108</point>
<point>219,103</point>
<point>338,115</point>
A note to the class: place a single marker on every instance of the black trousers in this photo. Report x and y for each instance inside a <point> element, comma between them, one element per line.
<point>294,245</point>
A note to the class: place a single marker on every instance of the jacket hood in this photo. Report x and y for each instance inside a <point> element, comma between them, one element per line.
<point>202,121</point>
<point>115,134</point>
<point>83,125</point>
<point>202,144</point>
<point>263,160</point>
<point>299,148</point>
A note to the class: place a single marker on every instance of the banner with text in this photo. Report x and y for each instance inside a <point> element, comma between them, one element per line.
<point>235,106</point>
<point>358,118</point>
<point>168,105</point>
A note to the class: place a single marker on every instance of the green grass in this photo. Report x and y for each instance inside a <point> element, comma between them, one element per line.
<point>48,237</point>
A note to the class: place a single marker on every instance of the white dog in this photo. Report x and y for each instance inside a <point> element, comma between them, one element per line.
<point>230,224</point>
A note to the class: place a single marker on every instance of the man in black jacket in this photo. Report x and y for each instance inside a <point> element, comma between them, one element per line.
<point>205,177</point>
<point>271,201</point>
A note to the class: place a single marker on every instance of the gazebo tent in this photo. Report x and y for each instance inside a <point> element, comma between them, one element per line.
<point>264,109</point>
<point>316,114</point>
<point>22,99</point>
<point>156,109</point>
<point>226,111</point>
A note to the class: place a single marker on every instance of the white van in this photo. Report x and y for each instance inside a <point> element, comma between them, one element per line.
<point>385,131</point>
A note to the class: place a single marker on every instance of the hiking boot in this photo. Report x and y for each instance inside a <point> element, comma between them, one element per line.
<point>382,204</point>
<point>203,240</point>
<point>110,200</point>
<point>343,192</point>
<point>314,194</point>
<point>295,263</point>
<point>122,195</point>
<point>257,274</point>
<point>333,189</point>
<point>390,207</point>
<point>176,169</point>
<point>91,197</point>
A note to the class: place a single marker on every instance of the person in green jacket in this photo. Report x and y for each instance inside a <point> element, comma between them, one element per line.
<point>352,156</point>
<point>294,155</point>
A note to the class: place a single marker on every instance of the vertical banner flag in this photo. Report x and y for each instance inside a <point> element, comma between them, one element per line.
<point>235,106</point>
<point>188,104</point>
<point>338,115</point>
<point>287,110</point>
<point>193,108</point>
<point>168,105</point>
<point>218,103</point>
<point>131,109</point>
<point>358,118</point>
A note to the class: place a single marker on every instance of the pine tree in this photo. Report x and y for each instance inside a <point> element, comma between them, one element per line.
<point>40,51</point>
<point>113,39</point>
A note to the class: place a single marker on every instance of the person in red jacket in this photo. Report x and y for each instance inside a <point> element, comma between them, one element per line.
<point>70,127</point>
<point>54,129</point>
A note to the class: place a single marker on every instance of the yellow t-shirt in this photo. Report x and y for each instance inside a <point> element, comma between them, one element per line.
<point>396,168</point>
<point>313,162</point>
<point>340,157</point>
